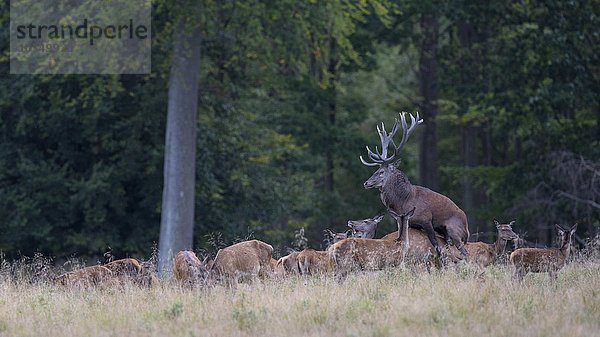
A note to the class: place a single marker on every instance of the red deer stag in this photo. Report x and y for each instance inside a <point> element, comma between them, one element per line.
<point>188,269</point>
<point>243,261</point>
<point>483,254</point>
<point>365,228</point>
<point>434,211</point>
<point>542,260</point>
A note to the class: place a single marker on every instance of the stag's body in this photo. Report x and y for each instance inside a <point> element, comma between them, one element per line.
<point>314,262</point>
<point>484,254</point>
<point>243,261</point>
<point>188,269</point>
<point>434,211</point>
<point>542,260</point>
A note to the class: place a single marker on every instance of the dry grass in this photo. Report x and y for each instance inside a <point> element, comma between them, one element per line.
<point>456,302</point>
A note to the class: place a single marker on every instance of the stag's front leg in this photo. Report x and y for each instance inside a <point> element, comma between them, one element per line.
<point>401,230</point>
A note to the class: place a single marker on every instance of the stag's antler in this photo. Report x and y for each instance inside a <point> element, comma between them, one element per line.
<point>380,158</point>
<point>377,157</point>
<point>407,132</point>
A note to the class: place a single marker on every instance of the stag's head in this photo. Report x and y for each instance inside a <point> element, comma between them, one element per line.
<point>383,159</point>
<point>363,228</point>
<point>505,231</point>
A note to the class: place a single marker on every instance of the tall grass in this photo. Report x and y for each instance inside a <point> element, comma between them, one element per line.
<point>459,301</point>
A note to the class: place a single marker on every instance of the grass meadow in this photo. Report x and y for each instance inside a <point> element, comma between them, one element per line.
<point>459,301</point>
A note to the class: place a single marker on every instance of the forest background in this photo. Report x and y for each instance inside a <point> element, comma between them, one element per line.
<point>289,93</point>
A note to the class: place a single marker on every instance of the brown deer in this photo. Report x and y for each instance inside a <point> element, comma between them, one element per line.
<point>126,269</point>
<point>483,254</point>
<point>87,276</point>
<point>332,237</point>
<point>374,254</point>
<point>188,269</point>
<point>419,242</point>
<point>243,261</point>
<point>542,260</point>
<point>365,228</point>
<point>277,270</point>
<point>289,263</point>
<point>314,262</point>
<point>434,211</point>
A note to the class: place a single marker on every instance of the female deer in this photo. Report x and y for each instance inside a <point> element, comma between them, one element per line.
<point>542,260</point>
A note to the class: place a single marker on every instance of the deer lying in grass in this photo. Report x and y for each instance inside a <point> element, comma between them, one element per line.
<point>126,269</point>
<point>243,261</point>
<point>289,263</point>
<point>365,228</point>
<point>434,211</point>
<point>542,260</point>
<point>188,269</point>
<point>374,254</point>
<point>87,276</point>
<point>483,254</point>
<point>314,262</point>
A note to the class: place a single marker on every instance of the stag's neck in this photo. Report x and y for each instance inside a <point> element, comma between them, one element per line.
<point>396,191</point>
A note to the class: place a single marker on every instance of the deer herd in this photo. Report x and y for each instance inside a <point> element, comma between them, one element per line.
<point>432,231</point>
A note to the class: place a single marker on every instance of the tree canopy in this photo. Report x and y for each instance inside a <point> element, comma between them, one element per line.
<point>289,93</point>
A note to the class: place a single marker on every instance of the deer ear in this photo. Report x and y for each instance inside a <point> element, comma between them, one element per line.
<point>512,223</point>
<point>412,211</point>
<point>560,229</point>
<point>574,228</point>
<point>379,218</point>
<point>496,222</point>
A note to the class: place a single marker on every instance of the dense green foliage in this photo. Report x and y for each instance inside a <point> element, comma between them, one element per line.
<point>290,93</point>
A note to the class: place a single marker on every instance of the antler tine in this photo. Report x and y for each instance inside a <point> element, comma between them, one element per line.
<point>406,130</point>
<point>386,138</point>
<point>376,158</point>
<point>367,163</point>
<point>380,158</point>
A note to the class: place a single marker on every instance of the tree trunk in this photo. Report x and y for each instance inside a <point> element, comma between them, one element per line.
<point>332,105</point>
<point>468,141</point>
<point>428,68</point>
<point>177,218</point>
